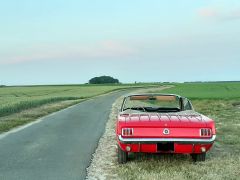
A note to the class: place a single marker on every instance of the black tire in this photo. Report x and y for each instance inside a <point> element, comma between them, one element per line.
<point>198,157</point>
<point>122,156</point>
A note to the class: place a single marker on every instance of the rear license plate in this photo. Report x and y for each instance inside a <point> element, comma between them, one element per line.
<point>165,147</point>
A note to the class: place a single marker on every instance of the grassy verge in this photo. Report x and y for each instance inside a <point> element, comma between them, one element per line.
<point>24,105</point>
<point>222,162</point>
<point>29,115</point>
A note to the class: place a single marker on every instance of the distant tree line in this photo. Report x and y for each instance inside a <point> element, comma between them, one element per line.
<point>103,80</point>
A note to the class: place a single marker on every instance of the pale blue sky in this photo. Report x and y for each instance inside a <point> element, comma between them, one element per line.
<point>59,41</point>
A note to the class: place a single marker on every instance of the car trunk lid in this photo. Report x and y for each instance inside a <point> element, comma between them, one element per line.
<point>154,125</point>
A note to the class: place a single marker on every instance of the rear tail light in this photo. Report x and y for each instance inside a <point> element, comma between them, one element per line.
<point>127,131</point>
<point>205,132</point>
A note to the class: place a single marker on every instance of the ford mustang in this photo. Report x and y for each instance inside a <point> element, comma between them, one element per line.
<point>162,123</point>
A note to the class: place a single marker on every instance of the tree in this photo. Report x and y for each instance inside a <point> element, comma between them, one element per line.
<point>103,80</point>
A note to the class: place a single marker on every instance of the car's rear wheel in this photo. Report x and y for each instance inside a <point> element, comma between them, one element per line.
<point>198,157</point>
<point>122,156</point>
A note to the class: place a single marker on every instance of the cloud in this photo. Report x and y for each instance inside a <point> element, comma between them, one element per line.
<point>180,48</point>
<point>208,12</point>
<point>219,15</point>
<point>104,49</point>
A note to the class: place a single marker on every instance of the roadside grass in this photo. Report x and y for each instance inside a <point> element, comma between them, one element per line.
<point>29,115</point>
<point>219,101</point>
<point>22,104</point>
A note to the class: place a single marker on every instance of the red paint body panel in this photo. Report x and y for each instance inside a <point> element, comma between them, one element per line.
<point>178,148</point>
<point>140,132</point>
<point>151,125</point>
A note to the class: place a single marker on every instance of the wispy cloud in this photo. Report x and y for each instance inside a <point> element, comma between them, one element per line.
<point>104,49</point>
<point>218,14</point>
<point>208,12</point>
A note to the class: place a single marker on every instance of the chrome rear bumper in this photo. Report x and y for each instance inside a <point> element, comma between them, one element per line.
<point>159,140</point>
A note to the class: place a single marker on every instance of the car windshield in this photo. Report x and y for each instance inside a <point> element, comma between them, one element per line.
<point>152,103</point>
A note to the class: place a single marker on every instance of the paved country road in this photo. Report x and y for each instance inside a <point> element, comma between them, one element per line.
<point>59,146</point>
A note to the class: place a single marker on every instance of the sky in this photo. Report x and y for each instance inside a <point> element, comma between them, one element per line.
<point>69,42</point>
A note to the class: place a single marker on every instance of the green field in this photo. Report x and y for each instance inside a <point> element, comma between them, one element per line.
<point>220,101</point>
<point>221,90</point>
<point>20,105</point>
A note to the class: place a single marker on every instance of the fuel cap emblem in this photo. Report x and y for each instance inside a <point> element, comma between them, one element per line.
<point>166,131</point>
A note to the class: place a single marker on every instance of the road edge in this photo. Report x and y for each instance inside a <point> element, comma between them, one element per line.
<point>104,163</point>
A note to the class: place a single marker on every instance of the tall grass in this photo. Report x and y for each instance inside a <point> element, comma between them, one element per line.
<point>24,105</point>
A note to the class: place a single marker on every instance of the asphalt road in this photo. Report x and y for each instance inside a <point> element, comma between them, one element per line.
<point>58,147</point>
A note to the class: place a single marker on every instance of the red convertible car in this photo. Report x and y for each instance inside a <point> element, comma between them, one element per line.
<point>162,123</point>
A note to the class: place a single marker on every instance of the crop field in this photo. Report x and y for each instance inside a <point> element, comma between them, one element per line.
<point>215,90</point>
<point>19,105</point>
<point>220,101</point>
<point>15,99</point>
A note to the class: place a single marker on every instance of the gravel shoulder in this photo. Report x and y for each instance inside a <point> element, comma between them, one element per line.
<point>104,161</point>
